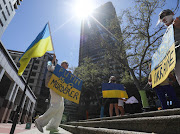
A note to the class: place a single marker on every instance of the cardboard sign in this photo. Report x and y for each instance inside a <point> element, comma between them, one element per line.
<point>164,59</point>
<point>112,90</point>
<point>65,84</point>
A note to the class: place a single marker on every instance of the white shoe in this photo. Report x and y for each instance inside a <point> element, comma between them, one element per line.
<point>52,129</point>
<point>39,127</point>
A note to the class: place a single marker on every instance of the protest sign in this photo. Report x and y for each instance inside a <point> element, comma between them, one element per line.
<point>65,84</point>
<point>164,59</point>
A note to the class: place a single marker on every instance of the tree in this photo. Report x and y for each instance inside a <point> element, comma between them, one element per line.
<point>139,39</point>
<point>90,73</point>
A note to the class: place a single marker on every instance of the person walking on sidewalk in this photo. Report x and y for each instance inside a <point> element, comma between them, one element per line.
<point>52,117</point>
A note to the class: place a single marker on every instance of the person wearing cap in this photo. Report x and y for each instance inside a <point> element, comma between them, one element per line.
<point>166,17</point>
<point>52,117</point>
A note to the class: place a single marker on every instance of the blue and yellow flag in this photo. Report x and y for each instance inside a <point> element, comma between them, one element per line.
<point>38,48</point>
<point>112,90</point>
<point>65,84</point>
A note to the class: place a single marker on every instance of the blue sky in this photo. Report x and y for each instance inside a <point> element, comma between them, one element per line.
<point>32,16</point>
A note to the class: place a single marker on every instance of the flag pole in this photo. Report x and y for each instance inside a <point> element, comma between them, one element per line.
<point>17,113</point>
<point>51,36</point>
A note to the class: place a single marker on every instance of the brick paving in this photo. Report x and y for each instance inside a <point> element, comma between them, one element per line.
<point>20,129</point>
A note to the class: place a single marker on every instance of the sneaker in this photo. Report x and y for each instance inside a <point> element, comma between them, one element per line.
<point>39,127</point>
<point>52,129</point>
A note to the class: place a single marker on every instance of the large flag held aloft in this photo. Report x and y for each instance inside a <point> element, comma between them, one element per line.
<point>38,48</point>
<point>112,90</point>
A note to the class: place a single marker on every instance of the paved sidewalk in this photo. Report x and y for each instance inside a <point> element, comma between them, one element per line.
<point>20,129</point>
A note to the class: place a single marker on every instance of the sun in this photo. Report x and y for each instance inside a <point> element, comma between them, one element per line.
<point>83,8</point>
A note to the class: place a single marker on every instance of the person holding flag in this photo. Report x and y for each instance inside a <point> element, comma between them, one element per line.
<point>38,48</point>
<point>52,117</point>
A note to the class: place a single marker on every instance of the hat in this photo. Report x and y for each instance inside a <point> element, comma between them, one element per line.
<point>164,13</point>
<point>65,62</point>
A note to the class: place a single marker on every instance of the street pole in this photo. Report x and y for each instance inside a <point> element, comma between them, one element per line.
<point>16,115</point>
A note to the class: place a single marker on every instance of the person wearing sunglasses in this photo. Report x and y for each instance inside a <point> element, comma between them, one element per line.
<point>167,18</point>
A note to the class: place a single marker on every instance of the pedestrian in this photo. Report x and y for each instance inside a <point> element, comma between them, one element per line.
<point>166,17</point>
<point>165,89</point>
<point>113,101</point>
<point>52,117</point>
<point>121,106</point>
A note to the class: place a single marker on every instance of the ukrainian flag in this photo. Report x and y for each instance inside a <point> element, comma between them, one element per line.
<point>38,48</point>
<point>112,90</point>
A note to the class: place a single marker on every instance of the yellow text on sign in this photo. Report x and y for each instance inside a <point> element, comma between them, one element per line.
<point>65,90</point>
<point>162,70</point>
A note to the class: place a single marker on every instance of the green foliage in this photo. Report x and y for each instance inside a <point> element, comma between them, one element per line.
<point>91,75</point>
<point>137,40</point>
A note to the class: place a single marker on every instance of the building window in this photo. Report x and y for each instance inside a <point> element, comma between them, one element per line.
<point>31,81</point>
<point>33,74</point>
<point>25,73</point>
<point>13,57</point>
<point>4,2</point>
<point>37,61</point>
<point>35,67</point>
<point>1,23</point>
<point>11,5</point>
<point>4,16</point>
<point>18,64</point>
<point>7,10</point>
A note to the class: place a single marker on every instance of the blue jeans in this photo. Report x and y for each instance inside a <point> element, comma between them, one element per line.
<point>169,90</point>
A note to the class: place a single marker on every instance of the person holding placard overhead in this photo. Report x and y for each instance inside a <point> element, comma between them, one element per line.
<point>52,117</point>
<point>166,17</point>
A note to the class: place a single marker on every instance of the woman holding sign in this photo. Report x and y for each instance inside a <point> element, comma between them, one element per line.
<point>52,117</point>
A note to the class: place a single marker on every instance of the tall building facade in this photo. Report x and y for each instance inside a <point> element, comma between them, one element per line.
<point>37,79</point>
<point>97,32</point>
<point>7,12</point>
<point>11,90</point>
<point>94,35</point>
<point>100,34</point>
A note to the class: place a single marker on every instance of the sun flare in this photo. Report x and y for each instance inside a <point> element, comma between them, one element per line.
<point>83,8</point>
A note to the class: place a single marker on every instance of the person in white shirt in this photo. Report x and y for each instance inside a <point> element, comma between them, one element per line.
<point>52,117</point>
